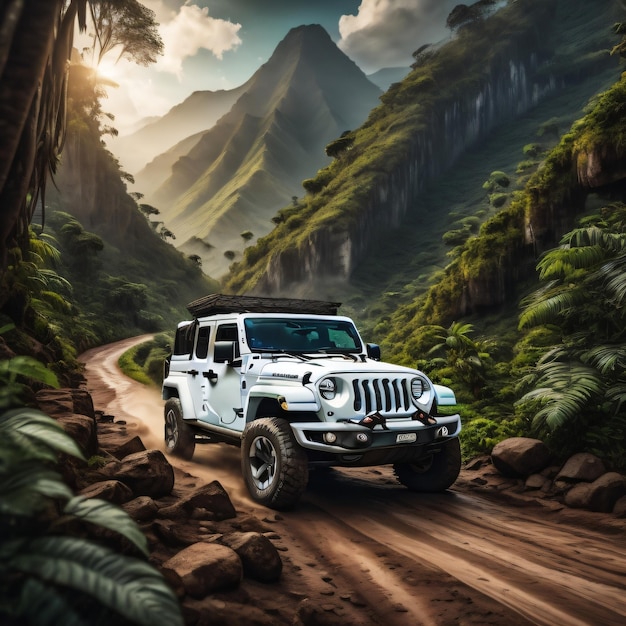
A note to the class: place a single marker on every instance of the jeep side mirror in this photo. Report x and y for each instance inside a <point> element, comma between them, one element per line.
<point>226,352</point>
<point>373,351</point>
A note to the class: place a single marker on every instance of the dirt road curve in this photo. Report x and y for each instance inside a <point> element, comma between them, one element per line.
<point>370,552</point>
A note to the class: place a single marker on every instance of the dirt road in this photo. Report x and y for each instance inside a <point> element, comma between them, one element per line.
<point>367,551</point>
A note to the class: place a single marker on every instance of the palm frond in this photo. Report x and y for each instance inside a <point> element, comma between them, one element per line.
<point>607,359</point>
<point>595,236</point>
<point>566,390</point>
<point>561,262</point>
<point>547,310</point>
<point>613,273</point>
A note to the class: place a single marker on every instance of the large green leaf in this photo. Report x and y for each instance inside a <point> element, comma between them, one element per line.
<point>29,488</point>
<point>35,434</point>
<point>109,516</point>
<point>126,585</point>
<point>41,605</point>
<point>28,367</point>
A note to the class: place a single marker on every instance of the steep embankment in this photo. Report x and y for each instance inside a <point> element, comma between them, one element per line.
<point>88,187</point>
<point>489,75</point>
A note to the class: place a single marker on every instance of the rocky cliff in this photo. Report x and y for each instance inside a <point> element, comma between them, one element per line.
<point>505,72</point>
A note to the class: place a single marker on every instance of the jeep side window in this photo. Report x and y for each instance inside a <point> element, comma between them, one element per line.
<point>202,345</point>
<point>183,342</point>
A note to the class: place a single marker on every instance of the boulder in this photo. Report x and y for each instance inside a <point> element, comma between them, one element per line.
<point>55,402</point>
<point>174,534</point>
<point>519,457</point>
<point>130,446</point>
<point>83,403</point>
<point>203,568</point>
<point>147,473</point>
<point>619,510</point>
<point>110,490</point>
<point>536,482</point>
<point>259,557</point>
<point>208,502</point>
<point>141,509</point>
<point>82,430</point>
<point>601,495</point>
<point>581,467</point>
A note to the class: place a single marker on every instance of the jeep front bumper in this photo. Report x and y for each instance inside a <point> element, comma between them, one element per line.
<point>341,438</point>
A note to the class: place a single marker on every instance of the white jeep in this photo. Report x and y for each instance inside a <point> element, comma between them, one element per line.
<point>293,385</point>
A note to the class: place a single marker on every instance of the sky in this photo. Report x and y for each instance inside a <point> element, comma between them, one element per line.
<point>219,44</point>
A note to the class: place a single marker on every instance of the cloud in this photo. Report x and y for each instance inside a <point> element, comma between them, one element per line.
<point>385,33</point>
<point>190,30</point>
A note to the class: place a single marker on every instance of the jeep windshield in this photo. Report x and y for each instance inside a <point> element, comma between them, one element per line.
<point>298,336</point>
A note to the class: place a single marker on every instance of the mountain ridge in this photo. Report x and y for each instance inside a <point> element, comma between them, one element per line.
<point>306,94</point>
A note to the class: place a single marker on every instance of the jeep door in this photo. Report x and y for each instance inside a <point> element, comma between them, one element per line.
<point>198,374</point>
<point>225,404</point>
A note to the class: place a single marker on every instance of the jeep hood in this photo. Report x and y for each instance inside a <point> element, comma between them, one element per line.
<point>292,368</point>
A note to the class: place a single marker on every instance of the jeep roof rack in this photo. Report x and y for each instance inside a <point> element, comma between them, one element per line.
<point>222,303</point>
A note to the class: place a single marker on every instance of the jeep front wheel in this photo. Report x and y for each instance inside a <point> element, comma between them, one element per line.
<point>274,467</point>
<point>179,438</point>
<point>433,473</point>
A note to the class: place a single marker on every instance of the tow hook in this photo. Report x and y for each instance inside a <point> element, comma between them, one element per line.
<point>442,432</point>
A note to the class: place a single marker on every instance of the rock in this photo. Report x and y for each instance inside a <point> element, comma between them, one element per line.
<point>175,535</point>
<point>520,456</point>
<point>141,509</point>
<point>536,481</point>
<point>82,430</point>
<point>210,611</point>
<point>208,502</point>
<point>110,490</point>
<point>130,446</point>
<point>601,495</point>
<point>258,555</point>
<point>55,402</point>
<point>581,467</point>
<point>202,568</point>
<point>619,510</point>
<point>147,473</point>
<point>83,403</point>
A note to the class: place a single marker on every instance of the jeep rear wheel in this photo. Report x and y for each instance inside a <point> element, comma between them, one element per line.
<point>433,473</point>
<point>274,467</point>
<point>179,438</point>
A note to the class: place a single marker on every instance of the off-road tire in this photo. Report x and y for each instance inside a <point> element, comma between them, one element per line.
<point>179,438</point>
<point>274,467</point>
<point>433,473</point>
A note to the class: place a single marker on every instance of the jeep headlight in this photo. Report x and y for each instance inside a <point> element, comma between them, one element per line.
<point>417,388</point>
<point>328,388</point>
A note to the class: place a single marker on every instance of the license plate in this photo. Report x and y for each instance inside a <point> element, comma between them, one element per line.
<point>406,437</point>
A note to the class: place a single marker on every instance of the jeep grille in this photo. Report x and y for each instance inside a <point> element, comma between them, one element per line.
<point>382,394</point>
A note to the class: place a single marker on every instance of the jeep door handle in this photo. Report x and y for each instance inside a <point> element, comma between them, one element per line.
<point>211,375</point>
<point>193,372</point>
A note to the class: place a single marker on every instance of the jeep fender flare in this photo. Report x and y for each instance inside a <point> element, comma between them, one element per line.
<point>180,391</point>
<point>288,397</point>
